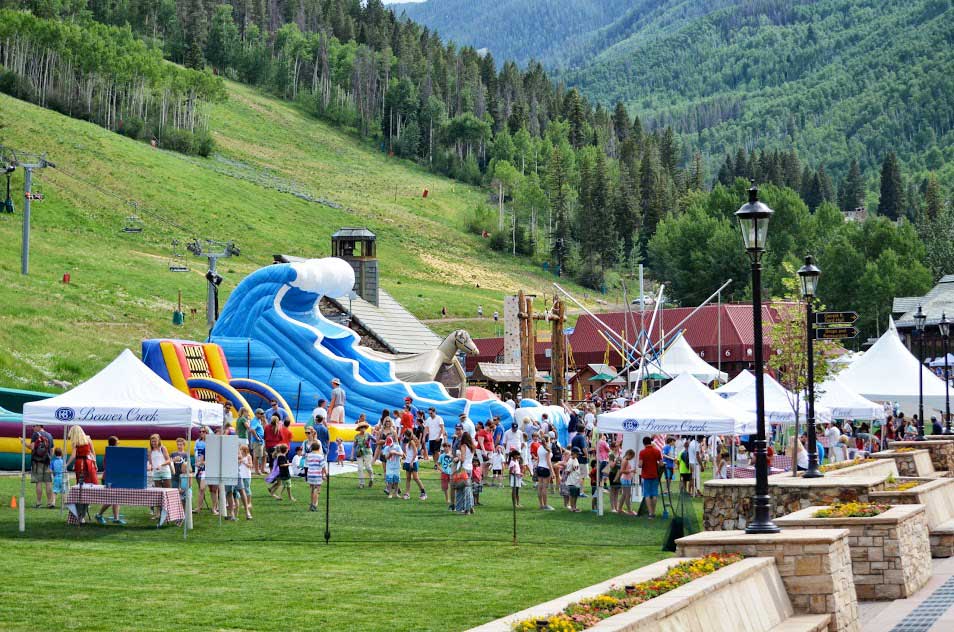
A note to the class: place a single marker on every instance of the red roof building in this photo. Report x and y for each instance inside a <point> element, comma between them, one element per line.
<point>701,331</point>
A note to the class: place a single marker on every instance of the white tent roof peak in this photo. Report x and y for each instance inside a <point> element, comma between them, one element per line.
<point>125,392</point>
<point>779,403</point>
<point>680,358</point>
<point>889,372</point>
<point>846,403</point>
<point>683,406</point>
<point>736,384</point>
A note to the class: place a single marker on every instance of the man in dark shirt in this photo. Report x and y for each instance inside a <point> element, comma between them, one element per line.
<point>649,458</point>
<point>40,446</point>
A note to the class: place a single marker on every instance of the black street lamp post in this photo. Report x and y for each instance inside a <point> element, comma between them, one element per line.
<point>753,220</point>
<point>945,327</point>
<point>808,275</point>
<point>919,321</point>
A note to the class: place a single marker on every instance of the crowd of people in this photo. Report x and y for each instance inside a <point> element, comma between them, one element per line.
<point>522,453</point>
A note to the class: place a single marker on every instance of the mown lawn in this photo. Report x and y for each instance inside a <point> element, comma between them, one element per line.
<point>390,565</point>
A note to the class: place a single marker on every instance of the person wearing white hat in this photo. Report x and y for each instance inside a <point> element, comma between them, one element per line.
<point>337,406</point>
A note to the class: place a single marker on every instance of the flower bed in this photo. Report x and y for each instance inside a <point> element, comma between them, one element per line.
<point>905,449</point>
<point>588,612</point>
<point>852,510</point>
<point>840,465</point>
<point>900,487</point>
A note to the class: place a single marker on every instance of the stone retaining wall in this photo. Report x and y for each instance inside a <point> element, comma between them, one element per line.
<point>937,496</point>
<point>815,566</point>
<point>911,464</point>
<point>942,452</point>
<point>727,504</point>
<point>890,553</point>
<point>870,467</point>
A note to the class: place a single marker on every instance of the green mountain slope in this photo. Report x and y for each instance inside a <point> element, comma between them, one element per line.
<point>518,30</point>
<point>271,158</point>
<point>838,79</point>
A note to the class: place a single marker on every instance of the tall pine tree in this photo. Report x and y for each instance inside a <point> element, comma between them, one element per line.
<point>891,201</point>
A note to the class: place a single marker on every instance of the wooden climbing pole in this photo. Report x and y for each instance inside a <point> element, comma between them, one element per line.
<point>528,342</point>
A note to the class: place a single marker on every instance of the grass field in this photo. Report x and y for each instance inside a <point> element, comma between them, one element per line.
<point>270,157</point>
<point>391,564</point>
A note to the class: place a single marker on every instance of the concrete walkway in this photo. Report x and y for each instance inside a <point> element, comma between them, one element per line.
<point>936,615</point>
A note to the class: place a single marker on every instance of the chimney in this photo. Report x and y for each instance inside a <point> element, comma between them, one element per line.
<point>358,247</point>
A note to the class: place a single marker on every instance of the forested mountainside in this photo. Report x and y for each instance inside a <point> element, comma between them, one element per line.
<point>522,30</point>
<point>836,79</point>
<point>585,189</point>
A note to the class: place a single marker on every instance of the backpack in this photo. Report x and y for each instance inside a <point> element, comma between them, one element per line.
<point>41,449</point>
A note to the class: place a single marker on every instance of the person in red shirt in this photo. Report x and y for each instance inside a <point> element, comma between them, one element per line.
<point>649,458</point>
<point>407,419</point>
<point>286,433</point>
<point>273,436</point>
<point>485,446</point>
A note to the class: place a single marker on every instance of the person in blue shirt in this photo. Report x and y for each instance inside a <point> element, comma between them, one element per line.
<point>498,432</point>
<point>276,410</point>
<point>256,440</point>
<point>669,457</point>
<point>321,433</point>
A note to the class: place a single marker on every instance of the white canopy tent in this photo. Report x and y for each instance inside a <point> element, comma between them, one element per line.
<point>846,403</point>
<point>684,406</point>
<point>680,358</point>
<point>736,384</point>
<point>126,392</point>
<point>938,362</point>
<point>888,372</point>
<point>779,403</point>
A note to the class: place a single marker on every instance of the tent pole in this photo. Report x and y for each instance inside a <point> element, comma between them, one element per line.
<point>187,523</point>
<point>22,507</point>
<point>63,495</point>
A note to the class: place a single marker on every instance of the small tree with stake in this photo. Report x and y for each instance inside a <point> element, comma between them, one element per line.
<point>789,358</point>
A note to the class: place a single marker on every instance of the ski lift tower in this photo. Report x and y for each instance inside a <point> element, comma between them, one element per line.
<point>222,250</point>
<point>37,162</point>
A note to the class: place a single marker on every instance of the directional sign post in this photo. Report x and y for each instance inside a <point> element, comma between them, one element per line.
<point>836,333</point>
<point>836,318</point>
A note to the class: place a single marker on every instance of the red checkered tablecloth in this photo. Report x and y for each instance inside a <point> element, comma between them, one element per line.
<point>166,499</point>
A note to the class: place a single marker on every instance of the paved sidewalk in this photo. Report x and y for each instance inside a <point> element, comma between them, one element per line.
<point>936,615</point>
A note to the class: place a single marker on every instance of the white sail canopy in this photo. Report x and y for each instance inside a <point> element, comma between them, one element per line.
<point>846,403</point>
<point>680,358</point>
<point>736,384</point>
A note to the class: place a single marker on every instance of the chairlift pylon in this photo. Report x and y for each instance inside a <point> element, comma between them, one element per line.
<point>176,260</point>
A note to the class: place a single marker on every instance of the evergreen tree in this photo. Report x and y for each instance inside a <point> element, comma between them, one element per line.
<point>559,189</point>
<point>933,201</point>
<point>668,150</point>
<point>854,195</point>
<point>196,34</point>
<point>891,202</point>
<point>696,176</point>
<point>573,112</point>
<point>621,122</point>
<point>726,172</point>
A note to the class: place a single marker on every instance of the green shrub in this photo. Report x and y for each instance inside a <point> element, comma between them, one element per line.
<point>180,140</point>
<point>203,143</point>
<point>132,127</point>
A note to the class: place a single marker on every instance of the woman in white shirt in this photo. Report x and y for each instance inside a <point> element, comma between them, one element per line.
<point>464,500</point>
<point>544,470</point>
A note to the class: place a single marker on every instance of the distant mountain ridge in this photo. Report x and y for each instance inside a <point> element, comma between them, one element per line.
<point>835,79</point>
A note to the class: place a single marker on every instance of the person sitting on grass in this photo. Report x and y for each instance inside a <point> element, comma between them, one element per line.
<point>317,470</point>
<point>284,474</point>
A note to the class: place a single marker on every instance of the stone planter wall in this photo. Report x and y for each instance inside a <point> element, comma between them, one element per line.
<point>730,591</point>
<point>875,467</point>
<point>917,464</point>
<point>815,567</point>
<point>727,504</point>
<point>890,553</point>
<point>937,496</point>
<point>942,452</point>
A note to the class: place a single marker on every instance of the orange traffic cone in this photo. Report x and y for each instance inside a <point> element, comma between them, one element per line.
<point>13,503</point>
